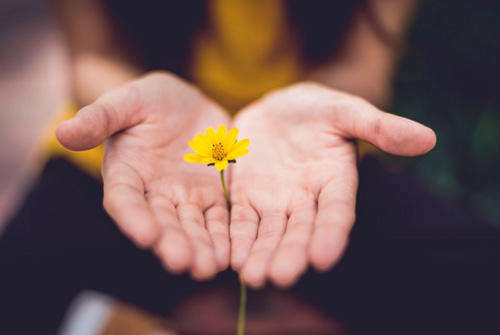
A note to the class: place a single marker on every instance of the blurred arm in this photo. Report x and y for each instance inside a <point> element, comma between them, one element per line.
<point>366,62</point>
<point>99,60</point>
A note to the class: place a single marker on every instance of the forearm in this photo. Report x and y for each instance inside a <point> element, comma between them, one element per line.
<point>93,75</point>
<point>366,62</point>
<point>99,59</point>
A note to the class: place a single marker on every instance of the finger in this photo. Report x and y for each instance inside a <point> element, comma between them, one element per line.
<point>92,125</point>
<point>204,264</point>
<point>334,220</point>
<point>243,231</point>
<point>290,259</point>
<point>271,229</point>
<point>391,133</point>
<point>174,248</point>
<point>125,202</point>
<point>216,219</point>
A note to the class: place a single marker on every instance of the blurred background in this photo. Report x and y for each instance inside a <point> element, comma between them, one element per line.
<point>33,86</point>
<point>448,80</point>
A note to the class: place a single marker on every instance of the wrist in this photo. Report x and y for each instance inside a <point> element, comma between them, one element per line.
<point>94,75</point>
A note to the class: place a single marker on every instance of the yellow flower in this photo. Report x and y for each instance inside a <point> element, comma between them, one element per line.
<point>217,148</point>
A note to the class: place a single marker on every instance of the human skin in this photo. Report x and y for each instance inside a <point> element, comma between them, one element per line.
<point>293,195</point>
<point>158,200</point>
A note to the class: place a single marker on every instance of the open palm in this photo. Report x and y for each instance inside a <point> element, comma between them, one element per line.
<point>294,194</point>
<point>155,197</point>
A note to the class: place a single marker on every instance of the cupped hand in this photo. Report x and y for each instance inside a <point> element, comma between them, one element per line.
<point>157,199</point>
<point>294,194</point>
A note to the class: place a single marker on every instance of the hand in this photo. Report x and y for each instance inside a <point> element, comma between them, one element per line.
<point>294,194</point>
<point>156,198</point>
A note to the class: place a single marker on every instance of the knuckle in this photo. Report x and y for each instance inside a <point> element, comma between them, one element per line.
<point>105,122</point>
<point>96,121</point>
<point>376,127</point>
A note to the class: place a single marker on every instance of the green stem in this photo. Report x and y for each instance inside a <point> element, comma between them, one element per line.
<point>242,313</point>
<point>243,289</point>
<point>226,195</point>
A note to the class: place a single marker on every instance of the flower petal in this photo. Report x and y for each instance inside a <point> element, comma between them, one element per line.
<point>210,134</point>
<point>237,153</point>
<point>221,165</point>
<point>201,147</point>
<point>241,144</point>
<point>221,133</point>
<point>208,160</point>
<point>193,158</point>
<point>200,138</point>
<point>231,139</point>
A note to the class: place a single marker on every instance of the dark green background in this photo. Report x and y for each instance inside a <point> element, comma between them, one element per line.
<point>449,80</point>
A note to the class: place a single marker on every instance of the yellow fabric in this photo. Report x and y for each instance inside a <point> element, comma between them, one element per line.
<point>89,161</point>
<point>248,52</point>
<point>365,149</point>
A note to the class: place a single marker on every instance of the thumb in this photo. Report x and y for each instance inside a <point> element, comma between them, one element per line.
<point>390,133</point>
<point>93,124</point>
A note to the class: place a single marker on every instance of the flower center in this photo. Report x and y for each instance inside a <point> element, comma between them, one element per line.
<point>218,151</point>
